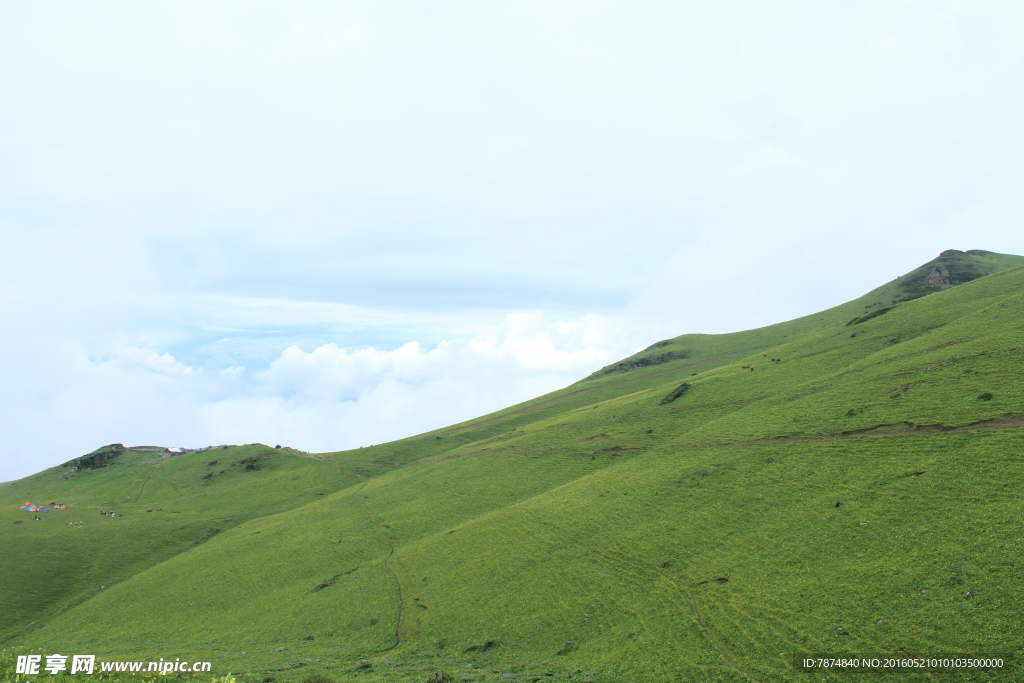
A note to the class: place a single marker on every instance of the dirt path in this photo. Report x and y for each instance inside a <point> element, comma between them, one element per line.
<point>379,526</point>
<point>142,490</point>
<point>886,430</point>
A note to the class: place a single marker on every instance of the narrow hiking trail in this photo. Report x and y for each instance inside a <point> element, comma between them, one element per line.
<point>142,490</point>
<point>388,564</point>
<point>380,527</point>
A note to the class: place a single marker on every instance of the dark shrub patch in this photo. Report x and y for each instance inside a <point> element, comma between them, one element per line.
<point>317,678</point>
<point>642,362</point>
<point>986,397</point>
<point>101,457</point>
<point>486,647</point>
<point>209,533</point>
<point>676,393</point>
<point>328,583</point>
<point>868,316</point>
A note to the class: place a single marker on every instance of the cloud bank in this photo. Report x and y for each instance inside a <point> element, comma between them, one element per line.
<point>323,399</point>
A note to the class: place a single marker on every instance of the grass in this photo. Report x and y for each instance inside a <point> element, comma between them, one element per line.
<point>819,487</point>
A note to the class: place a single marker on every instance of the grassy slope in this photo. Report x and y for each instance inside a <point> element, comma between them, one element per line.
<point>582,532</point>
<point>51,566</point>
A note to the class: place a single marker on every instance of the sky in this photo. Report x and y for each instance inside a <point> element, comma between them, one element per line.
<point>333,224</point>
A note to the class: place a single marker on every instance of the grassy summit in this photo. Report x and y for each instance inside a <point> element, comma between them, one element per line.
<point>847,482</point>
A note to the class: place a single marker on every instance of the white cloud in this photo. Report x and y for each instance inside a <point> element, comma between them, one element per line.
<point>327,398</point>
<point>332,398</point>
<point>151,360</point>
<point>526,344</point>
<point>232,373</point>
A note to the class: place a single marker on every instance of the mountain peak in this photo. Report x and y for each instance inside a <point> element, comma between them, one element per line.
<point>952,267</point>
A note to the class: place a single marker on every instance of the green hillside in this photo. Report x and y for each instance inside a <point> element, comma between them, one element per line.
<point>706,510</point>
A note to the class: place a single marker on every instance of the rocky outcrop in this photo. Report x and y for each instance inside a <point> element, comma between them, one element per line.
<point>939,276</point>
<point>952,267</point>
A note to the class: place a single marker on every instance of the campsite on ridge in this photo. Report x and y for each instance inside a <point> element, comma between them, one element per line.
<point>707,509</point>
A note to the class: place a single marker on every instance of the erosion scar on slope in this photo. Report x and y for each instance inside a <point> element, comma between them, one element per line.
<point>1009,421</point>
<point>387,565</point>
